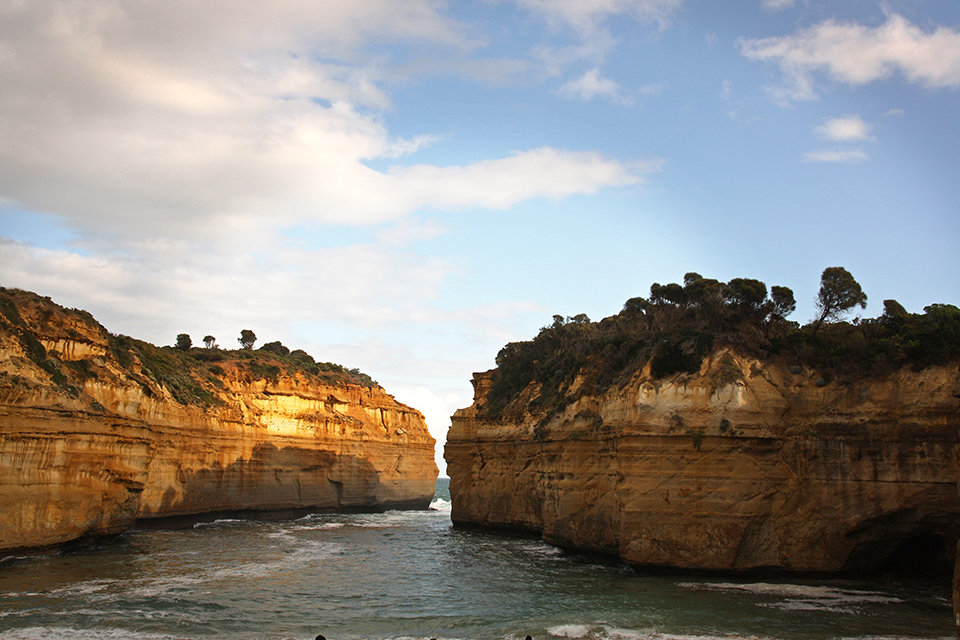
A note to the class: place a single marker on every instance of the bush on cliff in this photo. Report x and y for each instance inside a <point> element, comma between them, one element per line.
<point>192,375</point>
<point>678,325</point>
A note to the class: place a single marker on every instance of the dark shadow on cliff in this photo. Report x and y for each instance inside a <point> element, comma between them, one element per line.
<point>906,546</point>
<point>276,484</point>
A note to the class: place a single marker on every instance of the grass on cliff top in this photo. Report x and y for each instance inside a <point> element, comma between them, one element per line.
<point>26,316</point>
<point>192,376</point>
<point>679,325</point>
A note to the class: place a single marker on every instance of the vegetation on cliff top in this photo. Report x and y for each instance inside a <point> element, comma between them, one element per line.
<point>192,375</point>
<point>678,325</point>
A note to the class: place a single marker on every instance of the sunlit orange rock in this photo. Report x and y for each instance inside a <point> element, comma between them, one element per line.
<point>90,444</point>
<point>764,469</point>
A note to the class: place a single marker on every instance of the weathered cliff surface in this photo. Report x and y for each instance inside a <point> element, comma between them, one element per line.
<point>743,465</point>
<point>97,431</point>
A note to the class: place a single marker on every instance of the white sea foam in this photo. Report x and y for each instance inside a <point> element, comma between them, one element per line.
<point>797,591</point>
<point>21,594</point>
<point>219,523</point>
<point>283,535</point>
<point>796,597</point>
<point>673,636</point>
<point>61,633</point>
<point>385,520</point>
<point>313,526</point>
<point>569,631</point>
<point>441,505</point>
<point>544,549</point>
<point>602,631</point>
<point>18,613</point>
<point>300,554</point>
<point>183,584</point>
<point>615,633</point>
<point>433,637</point>
<point>89,587</point>
<point>316,521</point>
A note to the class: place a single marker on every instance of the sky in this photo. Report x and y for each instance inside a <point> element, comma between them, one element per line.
<point>405,187</point>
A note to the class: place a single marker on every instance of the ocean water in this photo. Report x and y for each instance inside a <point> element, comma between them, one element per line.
<point>407,575</point>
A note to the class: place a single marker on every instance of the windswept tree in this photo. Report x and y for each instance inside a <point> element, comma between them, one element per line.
<point>839,293</point>
<point>184,342</point>
<point>209,342</point>
<point>247,339</point>
<point>635,306</point>
<point>663,294</point>
<point>747,294</point>
<point>783,302</point>
<point>894,315</point>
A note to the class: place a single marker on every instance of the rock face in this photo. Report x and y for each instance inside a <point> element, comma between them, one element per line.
<point>742,466</point>
<point>90,441</point>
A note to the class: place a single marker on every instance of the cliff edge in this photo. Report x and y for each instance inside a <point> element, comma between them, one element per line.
<point>98,431</point>
<point>761,469</point>
<point>699,429</point>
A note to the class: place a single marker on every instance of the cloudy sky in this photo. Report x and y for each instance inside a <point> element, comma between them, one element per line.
<point>404,187</point>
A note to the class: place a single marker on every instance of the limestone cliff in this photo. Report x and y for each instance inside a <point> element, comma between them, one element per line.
<point>97,431</point>
<point>745,464</point>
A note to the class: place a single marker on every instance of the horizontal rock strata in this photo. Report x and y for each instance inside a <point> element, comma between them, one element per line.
<point>767,469</point>
<point>90,444</point>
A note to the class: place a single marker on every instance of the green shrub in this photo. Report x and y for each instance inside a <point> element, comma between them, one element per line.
<point>264,371</point>
<point>679,325</point>
<point>206,355</point>
<point>275,348</point>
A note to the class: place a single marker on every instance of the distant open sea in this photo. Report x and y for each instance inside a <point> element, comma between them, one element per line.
<point>411,575</point>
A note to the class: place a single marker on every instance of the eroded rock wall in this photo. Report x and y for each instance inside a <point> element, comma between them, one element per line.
<point>88,444</point>
<point>760,468</point>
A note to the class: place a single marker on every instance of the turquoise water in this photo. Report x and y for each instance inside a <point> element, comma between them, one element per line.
<point>401,575</point>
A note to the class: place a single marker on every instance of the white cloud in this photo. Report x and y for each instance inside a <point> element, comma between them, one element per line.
<point>586,15</point>
<point>593,85</point>
<point>845,129</point>
<point>327,302</point>
<point>776,5</point>
<point>588,19</point>
<point>554,60</point>
<point>835,155</point>
<point>726,89</point>
<point>196,153</point>
<point>164,284</point>
<point>345,304</point>
<point>856,54</point>
<point>489,71</point>
<point>498,184</point>
<point>215,122</point>
<point>894,112</point>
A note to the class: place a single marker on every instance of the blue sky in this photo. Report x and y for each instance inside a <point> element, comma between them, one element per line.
<point>405,187</point>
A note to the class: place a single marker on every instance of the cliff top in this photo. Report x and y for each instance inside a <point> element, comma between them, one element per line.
<point>63,348</point>
<point>673,330</point>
